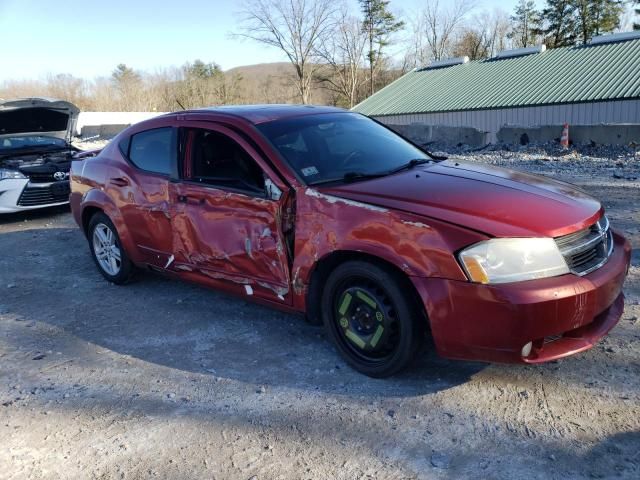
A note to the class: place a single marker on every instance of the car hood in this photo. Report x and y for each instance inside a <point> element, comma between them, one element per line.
<point>38,116</point>
<point>492,200</point>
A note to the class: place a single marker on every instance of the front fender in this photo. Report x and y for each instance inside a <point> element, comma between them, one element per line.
<point>417,246</point>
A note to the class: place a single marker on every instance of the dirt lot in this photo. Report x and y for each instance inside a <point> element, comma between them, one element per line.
<point>165,379</point>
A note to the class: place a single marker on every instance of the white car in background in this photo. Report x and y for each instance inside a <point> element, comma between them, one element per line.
<point>35,153</point>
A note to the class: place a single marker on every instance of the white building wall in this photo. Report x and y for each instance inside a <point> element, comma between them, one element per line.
<point>112,118</point>
<point>491,121</point>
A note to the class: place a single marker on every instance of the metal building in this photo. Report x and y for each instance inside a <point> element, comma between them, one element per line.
<point>593,84</point>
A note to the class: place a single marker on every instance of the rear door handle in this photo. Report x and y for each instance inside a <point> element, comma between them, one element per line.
<point>119,182</point>
<point>191,200</point>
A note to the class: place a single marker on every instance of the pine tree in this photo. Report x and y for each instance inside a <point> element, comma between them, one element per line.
<point>560,23</point>
<point>124,75</point>
<point>378,23</point>
<point>595,17</point>
<point>526,22</point>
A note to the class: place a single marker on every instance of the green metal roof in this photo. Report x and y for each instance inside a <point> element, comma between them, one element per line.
<point>609,71</point>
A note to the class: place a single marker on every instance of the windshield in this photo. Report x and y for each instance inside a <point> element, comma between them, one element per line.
<point>340,147</point>
<point>8,143</point>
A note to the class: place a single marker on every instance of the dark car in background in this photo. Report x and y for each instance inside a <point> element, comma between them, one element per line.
<point>35,153</point>
<point>327,212</point>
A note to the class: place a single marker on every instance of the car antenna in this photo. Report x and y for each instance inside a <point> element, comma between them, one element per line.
<point>181,106</point>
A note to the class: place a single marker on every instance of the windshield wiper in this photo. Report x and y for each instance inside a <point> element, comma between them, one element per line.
<point>356,176</point>
<point>410,164</point>
<point>351,177</point>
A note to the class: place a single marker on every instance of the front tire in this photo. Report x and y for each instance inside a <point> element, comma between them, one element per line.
<point>370,318</point>
<point>106,249</point>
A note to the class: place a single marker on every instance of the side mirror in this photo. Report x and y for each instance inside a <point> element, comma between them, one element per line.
<point>271,189</point>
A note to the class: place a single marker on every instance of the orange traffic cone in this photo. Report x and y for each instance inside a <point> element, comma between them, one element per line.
<point>564,139</point>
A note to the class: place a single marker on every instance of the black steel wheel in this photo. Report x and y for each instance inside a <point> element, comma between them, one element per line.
<point>370,318</point>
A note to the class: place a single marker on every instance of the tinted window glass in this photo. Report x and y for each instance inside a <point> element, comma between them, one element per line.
<point>124,145</point>
<point>325,147</point>
<point>219,160</point>
<point>154,150</point>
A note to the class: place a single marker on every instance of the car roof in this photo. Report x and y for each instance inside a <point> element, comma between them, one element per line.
<point>257,114</point>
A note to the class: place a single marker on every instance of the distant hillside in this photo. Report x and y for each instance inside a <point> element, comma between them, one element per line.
<point>263,69</point>
<point>273,83</point>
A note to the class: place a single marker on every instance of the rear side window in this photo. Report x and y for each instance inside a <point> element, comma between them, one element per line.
<point>154,150</point>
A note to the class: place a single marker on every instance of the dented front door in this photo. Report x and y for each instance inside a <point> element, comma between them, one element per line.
<point>231,236</point>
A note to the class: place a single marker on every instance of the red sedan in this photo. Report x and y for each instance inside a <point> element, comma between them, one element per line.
<point>327,212</point>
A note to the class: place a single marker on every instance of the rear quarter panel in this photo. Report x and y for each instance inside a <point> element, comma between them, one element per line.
<point>88,191</point>
<point>86,174</point>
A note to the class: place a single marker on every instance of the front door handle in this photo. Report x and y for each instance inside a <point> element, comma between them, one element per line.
<point>119,182</point>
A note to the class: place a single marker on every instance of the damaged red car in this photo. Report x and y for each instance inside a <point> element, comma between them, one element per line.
<point>329,213</point>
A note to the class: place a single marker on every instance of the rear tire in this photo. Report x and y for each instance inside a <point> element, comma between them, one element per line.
<point>106,249</point>
<point>370,318</point>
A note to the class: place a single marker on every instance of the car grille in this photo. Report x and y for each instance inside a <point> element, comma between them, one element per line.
<point>588,249</point>
<point>44,177</point>
<point>44,195</point>
<point>47,173</point>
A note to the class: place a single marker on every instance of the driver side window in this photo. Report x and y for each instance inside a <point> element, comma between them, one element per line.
<point>217,160</point>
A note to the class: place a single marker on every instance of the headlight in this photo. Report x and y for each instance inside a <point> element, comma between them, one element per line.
<point>6,174</point>
<point>503,260</point>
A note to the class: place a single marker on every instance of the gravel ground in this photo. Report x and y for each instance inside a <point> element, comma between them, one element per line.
<point>169,380</point>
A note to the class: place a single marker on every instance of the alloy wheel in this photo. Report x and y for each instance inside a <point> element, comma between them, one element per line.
<point>106,250</point>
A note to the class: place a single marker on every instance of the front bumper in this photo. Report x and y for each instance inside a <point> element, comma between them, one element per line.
<point>17,195</point>
<point>560,315</point>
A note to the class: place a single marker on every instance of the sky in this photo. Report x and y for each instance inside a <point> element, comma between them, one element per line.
<point>88,38</point>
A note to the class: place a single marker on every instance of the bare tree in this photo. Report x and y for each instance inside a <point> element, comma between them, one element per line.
<point>416,54</point>
<point>498,28</point>
<point>485,35</point>
<point>296,27</point>
<point>441,23</point>
<point>473,43</point>
<point>343,52</point>
<point>68,87</point>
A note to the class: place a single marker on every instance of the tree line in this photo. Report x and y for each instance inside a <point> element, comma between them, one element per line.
<point>336,54</point>
<point>563,23</point>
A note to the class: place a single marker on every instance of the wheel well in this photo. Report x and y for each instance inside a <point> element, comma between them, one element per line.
<point>87,213</point>
<point>325,266</point>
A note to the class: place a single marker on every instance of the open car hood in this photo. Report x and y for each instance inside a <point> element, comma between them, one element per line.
<point>38,116</point>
